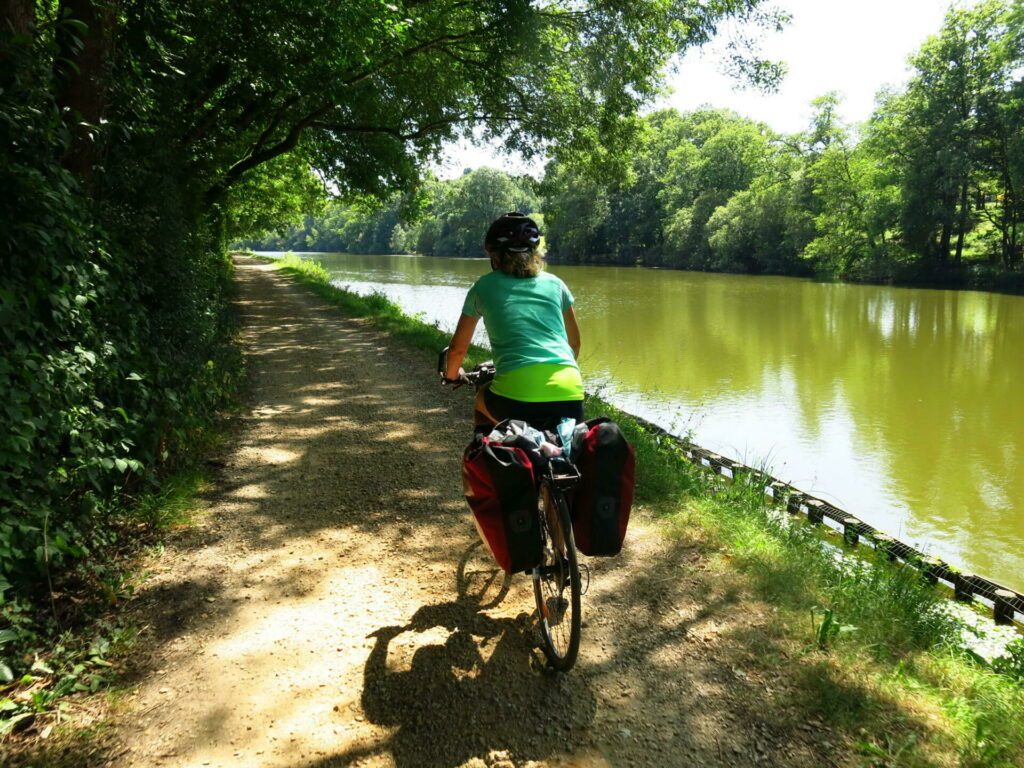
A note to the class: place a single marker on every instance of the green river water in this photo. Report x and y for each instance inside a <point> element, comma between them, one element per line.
<point>903,406</point>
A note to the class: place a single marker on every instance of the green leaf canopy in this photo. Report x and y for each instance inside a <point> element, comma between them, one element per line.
<point>368,90</point>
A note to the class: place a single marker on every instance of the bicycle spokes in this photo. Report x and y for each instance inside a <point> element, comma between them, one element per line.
<point>556,582</point>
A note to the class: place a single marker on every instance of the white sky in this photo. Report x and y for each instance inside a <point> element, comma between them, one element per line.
<point>853,47</point>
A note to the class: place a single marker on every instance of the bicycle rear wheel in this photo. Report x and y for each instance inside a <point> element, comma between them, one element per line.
<point>556,582</point>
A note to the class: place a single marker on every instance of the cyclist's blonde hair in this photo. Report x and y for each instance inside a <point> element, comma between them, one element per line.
<point>521,264</point>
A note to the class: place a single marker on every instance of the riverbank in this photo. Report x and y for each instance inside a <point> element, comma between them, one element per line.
<point>984,278</point>
<point>969,277</point>
<point>332,607</point>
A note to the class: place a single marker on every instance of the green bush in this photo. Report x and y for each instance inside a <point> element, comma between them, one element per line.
<point>1012,663</point>
<point>116,337</point>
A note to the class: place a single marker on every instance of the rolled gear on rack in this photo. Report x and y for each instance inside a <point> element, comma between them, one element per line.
<point>604,497</point>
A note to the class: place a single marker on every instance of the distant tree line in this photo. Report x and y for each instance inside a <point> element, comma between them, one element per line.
<point>929,190</point>
<point>443,218</point>
<point>931,185</point>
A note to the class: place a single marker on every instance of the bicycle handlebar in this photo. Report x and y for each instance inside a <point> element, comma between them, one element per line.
<point>478,376</point>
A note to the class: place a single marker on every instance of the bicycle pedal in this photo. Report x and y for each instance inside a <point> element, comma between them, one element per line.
<point>584,583</point>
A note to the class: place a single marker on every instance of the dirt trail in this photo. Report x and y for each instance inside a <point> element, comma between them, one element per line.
<point>334,606</point>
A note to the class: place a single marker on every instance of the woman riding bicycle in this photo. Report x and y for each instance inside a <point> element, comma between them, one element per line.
<point>529,317</point>
<point>535,341</point>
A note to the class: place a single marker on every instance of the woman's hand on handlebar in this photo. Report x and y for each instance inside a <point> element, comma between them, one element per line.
<point>458,381</point>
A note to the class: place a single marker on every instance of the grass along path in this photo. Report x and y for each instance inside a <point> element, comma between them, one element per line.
<point>335,608</point>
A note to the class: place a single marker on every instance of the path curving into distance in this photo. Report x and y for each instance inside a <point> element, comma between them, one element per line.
<point>332,606</point>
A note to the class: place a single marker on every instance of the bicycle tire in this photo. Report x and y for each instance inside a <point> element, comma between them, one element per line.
<point>561,638</point>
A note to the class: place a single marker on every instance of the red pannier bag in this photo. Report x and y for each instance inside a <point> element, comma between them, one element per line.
<point>604,496</point>
<point>499,484</point>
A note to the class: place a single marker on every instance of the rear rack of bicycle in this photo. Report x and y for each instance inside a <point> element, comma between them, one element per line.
<point>1006,604</point>
<point>564,473</point>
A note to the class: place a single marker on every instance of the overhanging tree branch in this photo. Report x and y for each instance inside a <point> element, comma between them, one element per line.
<point>422,132</point>
<point>260,153</point>
<point>260,156</point>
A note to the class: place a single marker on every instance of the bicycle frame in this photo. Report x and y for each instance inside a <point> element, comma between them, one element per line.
<point>557,578</point>
<point>560,483</point>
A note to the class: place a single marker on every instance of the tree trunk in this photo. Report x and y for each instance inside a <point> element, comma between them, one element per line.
<point>82,89</point>
<point>944,243</point>
<point>1010,218</point>
<point>17,16</point>
<point>1015,248</point>
<point>962,224</point>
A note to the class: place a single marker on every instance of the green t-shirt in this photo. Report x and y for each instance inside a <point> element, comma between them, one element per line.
<point>523,317</point>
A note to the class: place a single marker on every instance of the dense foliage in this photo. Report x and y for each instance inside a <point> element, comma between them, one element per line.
<point>116,334</point>
<point>444,218</point>
<point>929,189</point>
<point>137,137</point>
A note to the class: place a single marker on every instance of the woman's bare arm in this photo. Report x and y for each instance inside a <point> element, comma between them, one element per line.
<point>459,345</point>
<point>572,331</point>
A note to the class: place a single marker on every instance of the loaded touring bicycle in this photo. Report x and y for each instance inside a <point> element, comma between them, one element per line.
<point>535,494</point>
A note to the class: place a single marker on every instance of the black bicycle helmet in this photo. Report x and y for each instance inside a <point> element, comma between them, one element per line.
<point>513,232</point>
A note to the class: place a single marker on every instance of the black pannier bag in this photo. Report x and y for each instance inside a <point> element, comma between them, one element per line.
<point>604,496</point>
<point>499,484</point>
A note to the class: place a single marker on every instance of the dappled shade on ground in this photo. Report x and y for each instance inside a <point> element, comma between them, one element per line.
<point>334,607</point>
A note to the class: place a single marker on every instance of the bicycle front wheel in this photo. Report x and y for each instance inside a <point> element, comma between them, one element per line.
<point>556,582</point>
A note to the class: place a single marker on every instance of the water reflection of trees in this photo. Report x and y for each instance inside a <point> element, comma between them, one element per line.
<point>924,380</point>
<point>925,377</point>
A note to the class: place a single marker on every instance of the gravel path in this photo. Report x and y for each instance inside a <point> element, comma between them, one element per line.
<point>334,606</point>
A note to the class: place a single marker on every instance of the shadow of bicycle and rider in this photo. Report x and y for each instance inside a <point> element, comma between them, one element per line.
<point>456,682</point>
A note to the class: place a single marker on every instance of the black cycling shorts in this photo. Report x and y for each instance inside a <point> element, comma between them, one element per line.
<point>492,408</point>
